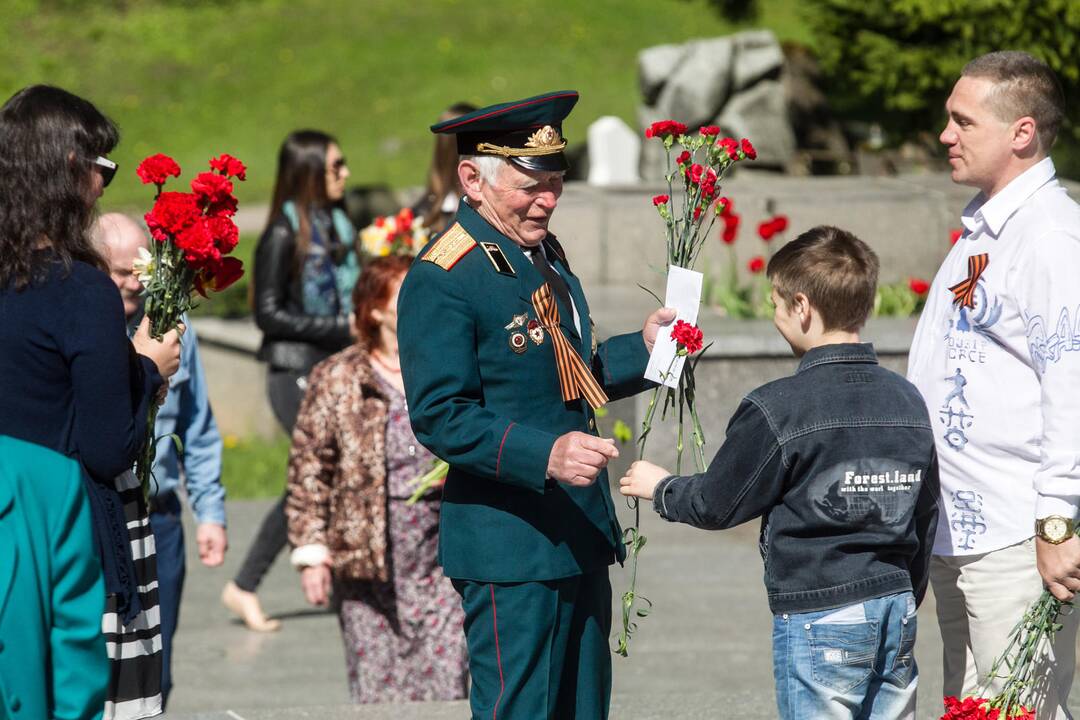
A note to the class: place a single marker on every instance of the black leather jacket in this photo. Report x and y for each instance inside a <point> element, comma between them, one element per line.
<point>292,340</point>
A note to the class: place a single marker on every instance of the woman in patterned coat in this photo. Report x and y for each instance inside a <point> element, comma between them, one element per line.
<point>352,468</point>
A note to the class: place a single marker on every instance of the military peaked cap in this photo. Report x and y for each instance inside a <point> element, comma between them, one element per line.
<point>527,132</point>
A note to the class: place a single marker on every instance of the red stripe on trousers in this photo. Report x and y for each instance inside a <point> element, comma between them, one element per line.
<point>498,654</point>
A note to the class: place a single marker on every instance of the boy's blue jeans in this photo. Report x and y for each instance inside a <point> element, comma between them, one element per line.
<point>850,663</point>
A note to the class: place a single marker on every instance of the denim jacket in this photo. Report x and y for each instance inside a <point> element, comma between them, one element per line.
<point>839,462</point>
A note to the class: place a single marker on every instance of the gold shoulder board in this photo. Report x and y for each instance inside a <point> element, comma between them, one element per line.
<point>451,246</point>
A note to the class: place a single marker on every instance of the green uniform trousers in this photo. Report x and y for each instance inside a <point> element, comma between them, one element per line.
<point>539,649</point>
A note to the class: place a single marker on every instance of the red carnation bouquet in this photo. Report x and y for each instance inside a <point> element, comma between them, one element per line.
<point>1018,666</point>
<point>193,235</point>
<point>689,210</point>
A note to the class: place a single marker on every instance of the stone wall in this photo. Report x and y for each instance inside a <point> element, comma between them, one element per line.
<point>614,236</point>
<point>614,240</point>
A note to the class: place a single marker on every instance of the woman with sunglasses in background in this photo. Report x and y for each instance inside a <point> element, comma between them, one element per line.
<point>74,398</point>
<point>305,267</point>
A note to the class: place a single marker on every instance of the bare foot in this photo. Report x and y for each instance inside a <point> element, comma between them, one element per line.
<point>246,605</point>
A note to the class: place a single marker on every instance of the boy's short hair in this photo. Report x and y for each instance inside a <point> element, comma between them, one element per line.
<point>836,271</point>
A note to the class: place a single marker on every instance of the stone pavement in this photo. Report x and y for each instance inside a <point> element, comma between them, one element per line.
<point>704,653</point>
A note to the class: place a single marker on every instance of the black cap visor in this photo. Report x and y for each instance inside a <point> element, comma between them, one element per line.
<point>556,162</point>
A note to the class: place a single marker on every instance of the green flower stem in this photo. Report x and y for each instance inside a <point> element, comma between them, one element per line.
<point>1021,656</point>
<point>679,434</point>
<point>634,540</point>
<point>428,480</point>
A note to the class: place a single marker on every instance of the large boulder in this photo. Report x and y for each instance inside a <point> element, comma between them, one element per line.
<point>655,66</point>
<point>757,56</point>
<point>698,86</point>
<point>760,113</point>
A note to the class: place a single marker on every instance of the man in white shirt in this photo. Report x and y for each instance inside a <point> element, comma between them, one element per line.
<point>997,358</point>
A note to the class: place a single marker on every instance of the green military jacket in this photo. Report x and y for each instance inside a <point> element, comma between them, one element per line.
<point>493,409</point>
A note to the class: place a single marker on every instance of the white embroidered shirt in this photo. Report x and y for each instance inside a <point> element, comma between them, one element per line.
<point>996,356</point>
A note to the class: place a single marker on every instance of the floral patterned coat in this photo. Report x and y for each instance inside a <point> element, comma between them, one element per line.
<point>336,504</point>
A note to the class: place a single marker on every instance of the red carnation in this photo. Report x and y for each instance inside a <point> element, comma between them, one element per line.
<point>748,149</point>
<point>731,228</point>
<point>756,264</point>
<point>229,166</point>
<point>214,193</point>
<point>918,286</point>
<point>219,275</point>
<point>780,222</point>
<point>173,212</point>
<point>211,189</point>
<point>659,200</point>
<point>955,235</point>
<point>766,230</point>
<point>696,171</point>
<point>157,169</point>
<point>688,337</point>
<point>697,212</point>
<point>709,130</point>
<point>728,205</point>
<point>224,231</point>
<point>708,184</point>
<point>401,226</point>
<point>665,129</point>
<point>684,157</point>
<point>197,242</point>
<point>976,709</point>
<point>730,146</point>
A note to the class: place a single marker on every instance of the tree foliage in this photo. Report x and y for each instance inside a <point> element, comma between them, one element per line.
<point>895,61</point>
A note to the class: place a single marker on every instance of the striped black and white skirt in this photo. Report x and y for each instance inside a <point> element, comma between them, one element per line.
<point>134,649</point>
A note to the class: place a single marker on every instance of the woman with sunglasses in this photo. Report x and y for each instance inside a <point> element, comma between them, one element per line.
<point>73,388</point>
<point>305,267</point>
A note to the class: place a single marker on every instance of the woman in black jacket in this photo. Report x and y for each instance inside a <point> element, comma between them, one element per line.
<point>305,267</point>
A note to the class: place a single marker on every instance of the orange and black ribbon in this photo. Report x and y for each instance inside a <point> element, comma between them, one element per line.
<point>964,291</point>
<point>574,376</point>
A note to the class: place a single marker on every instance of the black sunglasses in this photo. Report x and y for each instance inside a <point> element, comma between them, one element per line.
<point>337,165</point>
<point>106,167</point>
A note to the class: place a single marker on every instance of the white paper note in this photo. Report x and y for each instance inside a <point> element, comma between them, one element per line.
<point>684,295</point>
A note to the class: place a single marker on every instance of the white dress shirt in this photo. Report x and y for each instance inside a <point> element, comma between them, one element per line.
<point>1001,377</point>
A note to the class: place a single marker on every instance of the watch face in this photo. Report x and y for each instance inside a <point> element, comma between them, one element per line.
<point>1055,528</point>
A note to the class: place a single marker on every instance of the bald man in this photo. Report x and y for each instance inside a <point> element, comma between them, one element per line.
<point>186,413</point>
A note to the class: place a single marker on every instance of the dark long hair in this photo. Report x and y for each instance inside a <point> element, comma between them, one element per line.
<point>48,137</point>
<point>442,175</point>
<point>301,178</point>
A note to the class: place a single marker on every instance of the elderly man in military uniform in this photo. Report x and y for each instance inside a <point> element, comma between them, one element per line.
<point>503,375</point>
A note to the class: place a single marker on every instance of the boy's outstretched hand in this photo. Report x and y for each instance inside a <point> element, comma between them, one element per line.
<point>641,479</point>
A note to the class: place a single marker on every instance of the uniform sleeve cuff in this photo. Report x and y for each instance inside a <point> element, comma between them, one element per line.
<point>523,457</point>
<point>309,556</point>
<point>1065,506</point>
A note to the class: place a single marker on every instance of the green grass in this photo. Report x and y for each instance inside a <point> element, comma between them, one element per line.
<point>195,79</point>
<point>254,468</point>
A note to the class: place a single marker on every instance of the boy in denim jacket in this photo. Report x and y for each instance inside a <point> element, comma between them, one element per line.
<point>839,462</point>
